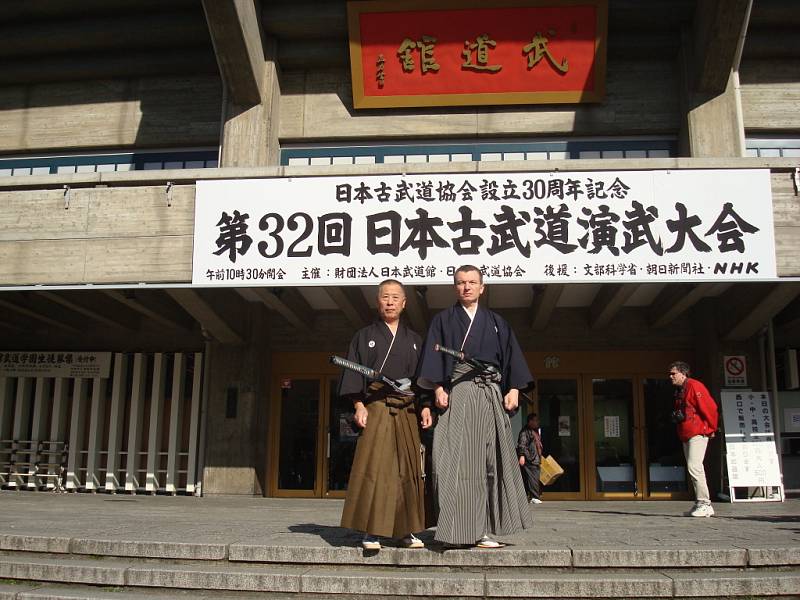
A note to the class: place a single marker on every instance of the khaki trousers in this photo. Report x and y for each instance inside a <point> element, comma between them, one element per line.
<point>695,451</point>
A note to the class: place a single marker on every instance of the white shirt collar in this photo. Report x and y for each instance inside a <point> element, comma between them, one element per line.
<point>470,311</point>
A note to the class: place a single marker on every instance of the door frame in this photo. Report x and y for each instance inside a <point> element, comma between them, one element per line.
<point>581,366</point>
<point>584,366</point>
<point>300,365</point>
<point>638,442</point>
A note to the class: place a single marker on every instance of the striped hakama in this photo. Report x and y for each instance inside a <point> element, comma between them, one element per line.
<point>476,478</point>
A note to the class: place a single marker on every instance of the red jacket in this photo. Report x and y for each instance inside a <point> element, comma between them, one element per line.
<point>700,409</point>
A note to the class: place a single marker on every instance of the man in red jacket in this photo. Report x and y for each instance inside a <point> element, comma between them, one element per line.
<point>696,416</point>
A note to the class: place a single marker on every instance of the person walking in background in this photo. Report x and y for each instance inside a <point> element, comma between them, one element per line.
<point>529,451</point>
<point>385,494</point>
<point>696,417</point>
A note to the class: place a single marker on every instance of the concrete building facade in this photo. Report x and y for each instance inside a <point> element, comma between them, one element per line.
<point>112,117</point>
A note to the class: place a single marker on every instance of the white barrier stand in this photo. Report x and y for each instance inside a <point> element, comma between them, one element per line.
<point>115,421</point>
<point>154,437</point>
<point>135,424</point>
<point>194,425</point>
<point>76,430</point>
<point>174,448</point>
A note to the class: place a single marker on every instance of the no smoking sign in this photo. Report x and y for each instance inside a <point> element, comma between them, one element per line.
<point>735,368</point>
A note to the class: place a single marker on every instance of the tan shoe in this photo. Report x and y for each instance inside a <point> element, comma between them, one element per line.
<point>412,541</point>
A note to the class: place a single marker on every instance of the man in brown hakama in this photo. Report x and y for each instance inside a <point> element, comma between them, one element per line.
<point>385,493</point>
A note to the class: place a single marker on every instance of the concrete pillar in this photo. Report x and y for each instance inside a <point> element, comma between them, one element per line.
<point>715,126</point>
<point>247,64</point>
<point>237,427</point>
<point>707,367</point>
<point>250,133</point>
<point>708,64</point>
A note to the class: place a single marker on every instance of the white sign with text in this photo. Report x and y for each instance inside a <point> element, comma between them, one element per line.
<point>604,226</point>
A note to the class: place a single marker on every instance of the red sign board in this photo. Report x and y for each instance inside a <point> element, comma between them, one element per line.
<point>446,53</point>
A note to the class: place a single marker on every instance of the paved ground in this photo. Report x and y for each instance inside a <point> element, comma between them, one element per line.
<point>291,522</point>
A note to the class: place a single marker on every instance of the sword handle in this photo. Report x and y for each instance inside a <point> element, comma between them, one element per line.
<point>454,353</point>
<point>353,366</point>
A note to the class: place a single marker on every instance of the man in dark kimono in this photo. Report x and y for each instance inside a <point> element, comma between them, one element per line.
<point>476,478</point>
<point>385,493</point>
<point>529,450</point>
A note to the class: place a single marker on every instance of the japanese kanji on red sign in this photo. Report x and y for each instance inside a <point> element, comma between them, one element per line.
<point>443,53</point>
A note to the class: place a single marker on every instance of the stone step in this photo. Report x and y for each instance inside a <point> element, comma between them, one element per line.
<point>283,551</point>
<point>137,575</point>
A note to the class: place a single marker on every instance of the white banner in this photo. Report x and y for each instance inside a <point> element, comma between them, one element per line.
<point>607,226</point>
<point>54,364</point>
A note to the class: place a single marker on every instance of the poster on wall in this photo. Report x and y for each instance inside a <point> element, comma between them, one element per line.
<point>611,426</point>
<point>55,364</point>
<point>565,227</point>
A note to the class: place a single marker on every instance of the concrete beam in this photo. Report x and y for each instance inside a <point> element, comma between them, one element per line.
<point>608,302</point>
<point>675,299</point>
<point>194,60</point>
<point>52,9</point>
<point>419,315</point>
<point>26,308</point>
<point>15,327</point>
<point>161,310</point>
<point>718,27</point>
<point>789,316</point>
<point>101,34</point>
<point>545,298</point>
<point>351,302</point>
<point>751,315</point>
<point>87,305</point>
<point>289,303</point>
<point>236,33</point>
<point>208,318</point>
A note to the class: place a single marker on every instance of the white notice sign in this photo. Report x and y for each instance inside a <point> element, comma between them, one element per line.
<point>750,452</point>
<point>611,423</point>
<point>753,464</point>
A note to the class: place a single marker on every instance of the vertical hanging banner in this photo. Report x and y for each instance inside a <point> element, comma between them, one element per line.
<point>455,53</point>
<point>566,227</point>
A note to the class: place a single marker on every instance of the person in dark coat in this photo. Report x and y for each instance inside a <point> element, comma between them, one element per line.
<point>529,450</point>
<point>385,493</point>
<point>477,485</point>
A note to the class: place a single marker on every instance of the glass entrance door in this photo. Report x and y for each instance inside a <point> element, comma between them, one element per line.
<point>315,441</point>
<point>666,466</point>
<point>561,424</point>
<point>612,435</point>
<point>613,449</point>
<point>341,443</point>
<point>299,411</point>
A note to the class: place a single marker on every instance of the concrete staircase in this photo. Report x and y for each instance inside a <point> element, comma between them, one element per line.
<point>38,567</point>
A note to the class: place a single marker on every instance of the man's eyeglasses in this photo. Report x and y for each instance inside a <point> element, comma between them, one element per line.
<point>671,373</point>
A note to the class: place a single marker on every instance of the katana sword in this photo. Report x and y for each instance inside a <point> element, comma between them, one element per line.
<point>401,386</point>
<point>484,366</point>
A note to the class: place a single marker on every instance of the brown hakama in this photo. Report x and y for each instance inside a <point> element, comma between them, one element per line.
<point>385,494</point>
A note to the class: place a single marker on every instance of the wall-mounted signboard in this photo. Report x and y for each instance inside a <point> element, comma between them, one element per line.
<point>464,52</point>
<point>565,227</point>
